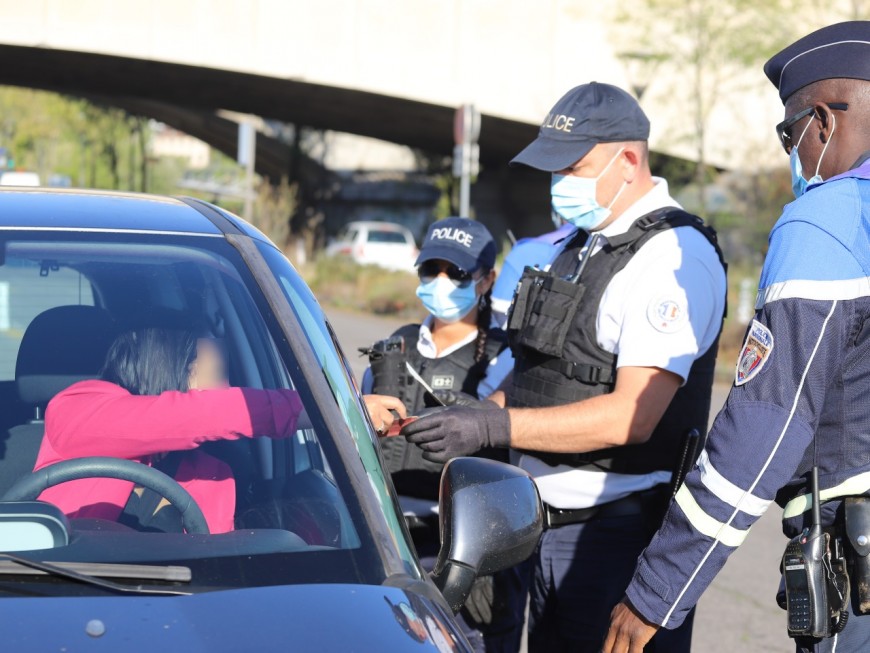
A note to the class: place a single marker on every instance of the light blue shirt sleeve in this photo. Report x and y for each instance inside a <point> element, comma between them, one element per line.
<point>499,368</point>
<point>368,382</point>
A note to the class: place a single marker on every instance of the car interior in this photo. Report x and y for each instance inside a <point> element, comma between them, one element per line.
<point>63,299</point>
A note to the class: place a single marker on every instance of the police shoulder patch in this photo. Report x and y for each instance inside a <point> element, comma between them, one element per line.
<point>668,313</point>
<point>754,353</point>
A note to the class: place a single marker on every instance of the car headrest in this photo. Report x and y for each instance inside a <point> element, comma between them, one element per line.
<point>61,346</point>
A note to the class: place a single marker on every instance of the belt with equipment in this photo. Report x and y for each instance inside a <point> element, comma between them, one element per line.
<point>637,503</point>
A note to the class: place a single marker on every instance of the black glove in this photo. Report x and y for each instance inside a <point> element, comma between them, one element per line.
<point>451,398</point>
<point>459,431</point>
<point>479,603</point>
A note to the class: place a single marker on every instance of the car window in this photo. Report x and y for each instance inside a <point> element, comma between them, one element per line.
<point>380,236</point>
<point>27,288</point>
<point>341,381</point>
<point>345,234</point>
<point>297,517</point>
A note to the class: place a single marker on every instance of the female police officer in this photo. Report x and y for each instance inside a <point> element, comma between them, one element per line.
<point>453,351</point>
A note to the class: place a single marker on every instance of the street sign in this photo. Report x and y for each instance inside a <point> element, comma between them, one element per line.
<point>468,156</point>
<point>466,124</point>
<point>247,143</point>
<point>247,155</point>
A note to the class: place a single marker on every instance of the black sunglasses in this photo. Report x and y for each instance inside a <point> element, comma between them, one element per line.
<point>783,129</point>
<point>430,269</point>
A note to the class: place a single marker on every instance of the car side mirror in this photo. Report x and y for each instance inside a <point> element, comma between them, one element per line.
<point>32,526</point>
<point>491,518</point>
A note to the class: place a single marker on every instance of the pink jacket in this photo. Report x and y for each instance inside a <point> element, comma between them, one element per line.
<point>98,418</point>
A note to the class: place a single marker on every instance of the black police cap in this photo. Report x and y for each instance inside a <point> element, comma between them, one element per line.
<point>836,51</point>
<point>585,116</point>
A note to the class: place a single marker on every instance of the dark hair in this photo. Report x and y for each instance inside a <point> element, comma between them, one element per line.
<point>151,360</point>
<point>484,317</point>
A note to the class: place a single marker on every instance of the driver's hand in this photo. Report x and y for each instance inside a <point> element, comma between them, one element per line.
<point>380,409</point>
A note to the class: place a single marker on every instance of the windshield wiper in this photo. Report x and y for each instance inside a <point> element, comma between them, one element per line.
<point>88,572</point>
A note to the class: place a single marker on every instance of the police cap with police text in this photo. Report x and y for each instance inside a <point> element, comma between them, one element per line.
<point>464,242</point>
<point>835,51</point>
<point>585,116</point>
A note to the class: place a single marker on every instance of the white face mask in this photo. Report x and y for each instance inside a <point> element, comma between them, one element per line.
<point>447,301</point>
<point>574,198</point>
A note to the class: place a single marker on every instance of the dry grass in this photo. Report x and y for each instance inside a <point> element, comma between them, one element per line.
<point>340,282</point>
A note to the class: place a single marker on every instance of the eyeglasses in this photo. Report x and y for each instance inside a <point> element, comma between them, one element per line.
<point>783,129</point>
<point>430,269</point>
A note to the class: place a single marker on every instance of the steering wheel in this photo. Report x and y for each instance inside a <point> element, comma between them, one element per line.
<point>30,487</point>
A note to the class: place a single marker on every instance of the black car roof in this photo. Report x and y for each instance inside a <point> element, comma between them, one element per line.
<point>52,208</point>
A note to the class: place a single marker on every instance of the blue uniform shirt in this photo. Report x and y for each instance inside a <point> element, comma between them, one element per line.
<point>803,371</point>
<point>527,252</point>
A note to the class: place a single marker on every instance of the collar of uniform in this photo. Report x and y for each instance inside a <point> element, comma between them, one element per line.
<point>426,344</point>
<point>656,198</point>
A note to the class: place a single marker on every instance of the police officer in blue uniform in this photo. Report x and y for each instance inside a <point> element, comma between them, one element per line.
<point>615,345</point>
<point>802,380</point>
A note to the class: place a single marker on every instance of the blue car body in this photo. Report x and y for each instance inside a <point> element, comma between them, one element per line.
<point>347,579</point>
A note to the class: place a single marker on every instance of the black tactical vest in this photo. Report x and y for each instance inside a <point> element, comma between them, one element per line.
<point>558,360</point>
<point>412,475</point>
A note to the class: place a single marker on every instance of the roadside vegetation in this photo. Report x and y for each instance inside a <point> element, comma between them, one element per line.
<point>344,284</point>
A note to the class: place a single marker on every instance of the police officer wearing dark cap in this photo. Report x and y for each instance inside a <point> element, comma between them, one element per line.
<point>615,344</point>
<point>801,394</point>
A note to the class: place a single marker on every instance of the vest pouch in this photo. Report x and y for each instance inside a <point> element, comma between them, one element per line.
<point>389,371</point>
<point>857,517</point>
<point>527,292</point>
<point>387,360</point>
<point>550,315</point>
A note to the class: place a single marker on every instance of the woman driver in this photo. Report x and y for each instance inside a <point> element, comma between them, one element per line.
<point>160,391</point>
<point>165,390</point>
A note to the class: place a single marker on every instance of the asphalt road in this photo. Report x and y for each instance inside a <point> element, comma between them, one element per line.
<point>738,611</point>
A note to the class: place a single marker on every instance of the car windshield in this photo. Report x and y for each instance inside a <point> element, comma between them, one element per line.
<point>301,501</point>
<point>379,236</point>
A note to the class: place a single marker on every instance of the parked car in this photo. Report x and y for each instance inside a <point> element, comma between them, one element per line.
<point>320,558</point>
<point>19,178</point>
<point>385,244</point>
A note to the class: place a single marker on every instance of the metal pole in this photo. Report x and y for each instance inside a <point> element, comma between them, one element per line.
<point>465,181</point>
<point>251,153</point>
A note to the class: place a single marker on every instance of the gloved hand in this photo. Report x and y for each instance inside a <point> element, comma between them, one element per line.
<point>451,398</point>
<point>479,603</point>
<point>459,431</point>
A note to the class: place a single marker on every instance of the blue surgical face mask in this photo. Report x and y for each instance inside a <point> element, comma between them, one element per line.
<point>574,198</point>
<point>447,301</point>
<point>798,183</point>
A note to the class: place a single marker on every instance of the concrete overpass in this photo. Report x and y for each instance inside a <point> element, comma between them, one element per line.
<point>389,69</point>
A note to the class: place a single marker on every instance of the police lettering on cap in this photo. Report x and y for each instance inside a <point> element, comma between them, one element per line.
<point>585,116</point>
<point>836,51</point>
<point>465,243</point>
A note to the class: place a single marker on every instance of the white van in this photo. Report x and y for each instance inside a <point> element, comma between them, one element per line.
<point>19,178</point>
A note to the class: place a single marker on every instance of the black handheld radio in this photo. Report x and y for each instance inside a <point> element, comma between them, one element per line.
<point>814,598</point>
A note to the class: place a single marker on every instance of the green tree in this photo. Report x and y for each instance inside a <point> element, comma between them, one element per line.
<point>97,146</point>
<point>708,50</point>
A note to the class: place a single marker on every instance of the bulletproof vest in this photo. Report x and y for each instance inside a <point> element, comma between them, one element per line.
<point>412,475</point>
<point>552,332</point>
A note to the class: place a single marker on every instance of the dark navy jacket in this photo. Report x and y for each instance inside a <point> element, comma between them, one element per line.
<point>801,396</point>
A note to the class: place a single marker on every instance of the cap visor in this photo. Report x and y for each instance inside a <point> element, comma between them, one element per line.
<point>463,261</point>
<point>552,155</point>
